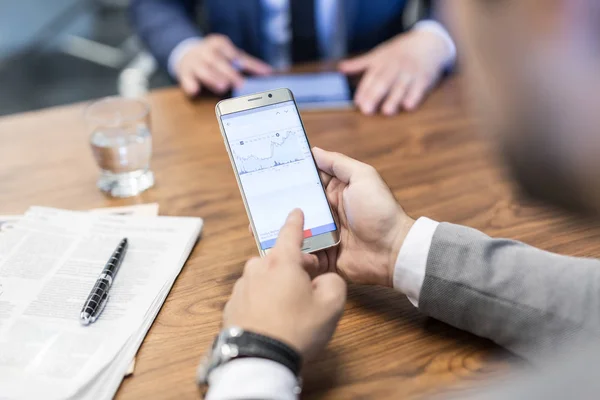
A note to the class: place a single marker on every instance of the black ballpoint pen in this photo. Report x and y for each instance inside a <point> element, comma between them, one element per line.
<point>96,301</point>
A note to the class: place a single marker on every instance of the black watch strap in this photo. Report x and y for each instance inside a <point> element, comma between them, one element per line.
<point>252,344</point>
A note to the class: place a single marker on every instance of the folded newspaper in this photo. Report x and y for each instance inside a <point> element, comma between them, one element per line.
<point>49,260</point>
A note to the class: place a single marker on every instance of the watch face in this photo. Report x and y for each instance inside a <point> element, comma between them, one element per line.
<point>221,352</point>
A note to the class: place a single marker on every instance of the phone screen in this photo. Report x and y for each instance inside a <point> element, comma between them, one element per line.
<point>276,170</point>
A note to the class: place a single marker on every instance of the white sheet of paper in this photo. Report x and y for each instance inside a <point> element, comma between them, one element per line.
<point>46,276</point>
<point>7,221</point>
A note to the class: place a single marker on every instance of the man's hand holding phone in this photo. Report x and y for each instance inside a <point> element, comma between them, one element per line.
<point>372,224</point>
<point>276,297</point>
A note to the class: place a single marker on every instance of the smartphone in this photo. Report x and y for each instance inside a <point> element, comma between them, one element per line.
<point>275,169</point>
<point>315,91</point>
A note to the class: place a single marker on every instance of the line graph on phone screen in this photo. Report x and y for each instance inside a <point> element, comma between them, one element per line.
<point>270,150</point>
<point>277,174</point>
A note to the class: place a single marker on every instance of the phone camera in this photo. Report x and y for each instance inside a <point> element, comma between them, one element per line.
<point>270,95</point>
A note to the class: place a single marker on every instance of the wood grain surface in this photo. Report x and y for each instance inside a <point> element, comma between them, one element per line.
<point>434,159</point>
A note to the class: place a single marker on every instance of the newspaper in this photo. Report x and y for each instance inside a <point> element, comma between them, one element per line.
<point>46,275</point>
<point>151,209</point>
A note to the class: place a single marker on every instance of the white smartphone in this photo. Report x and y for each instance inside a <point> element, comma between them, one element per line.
<point>275,168</point>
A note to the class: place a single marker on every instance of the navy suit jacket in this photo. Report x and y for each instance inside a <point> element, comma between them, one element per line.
<point>163,24</point>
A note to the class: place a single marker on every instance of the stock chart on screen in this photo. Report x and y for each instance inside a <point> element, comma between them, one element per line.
<point>269,150</point>
<point>276,170</point>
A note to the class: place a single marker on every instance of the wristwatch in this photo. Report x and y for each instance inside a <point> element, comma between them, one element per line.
<point>234,342</point>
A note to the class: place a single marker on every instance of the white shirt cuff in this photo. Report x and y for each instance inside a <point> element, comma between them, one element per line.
<point>178,52</point>
<point>409,271</point>
<point>430,25</point>
<point>252,378</point>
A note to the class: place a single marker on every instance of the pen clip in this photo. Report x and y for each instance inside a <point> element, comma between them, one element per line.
<point>101,306</point>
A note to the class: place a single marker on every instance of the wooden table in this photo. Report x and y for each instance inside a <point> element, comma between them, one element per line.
<point>436,164</point>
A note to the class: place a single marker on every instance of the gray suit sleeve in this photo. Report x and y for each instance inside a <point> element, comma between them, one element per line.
<point>572,376</point>
<point>525,299</point>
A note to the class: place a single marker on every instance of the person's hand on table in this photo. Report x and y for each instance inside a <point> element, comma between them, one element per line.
<point>276,297</point>
<point>398,73</point>
<point>216,63</point>
<point>372,224</point>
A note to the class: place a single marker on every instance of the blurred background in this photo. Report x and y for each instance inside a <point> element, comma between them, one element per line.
<point>55,52</point>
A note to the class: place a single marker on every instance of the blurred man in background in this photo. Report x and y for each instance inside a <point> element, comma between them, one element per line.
<point>256,36</point>
<point>533,67</point>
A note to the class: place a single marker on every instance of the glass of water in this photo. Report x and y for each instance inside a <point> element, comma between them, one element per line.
<point>122,145</point>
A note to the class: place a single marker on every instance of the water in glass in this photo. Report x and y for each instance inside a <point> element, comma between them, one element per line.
<point>122,147</point>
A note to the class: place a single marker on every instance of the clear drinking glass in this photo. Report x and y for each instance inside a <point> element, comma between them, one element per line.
<point>122,145</point>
